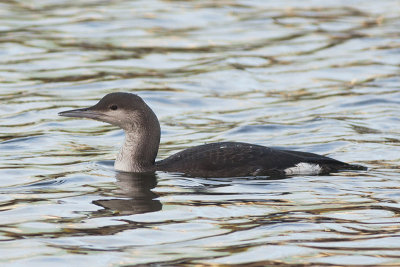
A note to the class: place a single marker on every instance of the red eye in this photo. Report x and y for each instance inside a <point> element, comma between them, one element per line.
<point>113,107</point>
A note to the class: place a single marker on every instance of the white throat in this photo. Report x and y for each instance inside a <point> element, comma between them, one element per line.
<point>132,155</point>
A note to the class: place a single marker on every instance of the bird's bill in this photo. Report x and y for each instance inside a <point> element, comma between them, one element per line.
<point>81,113</point>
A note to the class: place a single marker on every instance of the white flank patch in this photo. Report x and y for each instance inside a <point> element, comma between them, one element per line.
<point>304,169</point>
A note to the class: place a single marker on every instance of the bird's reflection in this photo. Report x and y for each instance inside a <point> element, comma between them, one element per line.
<point>136,189</point>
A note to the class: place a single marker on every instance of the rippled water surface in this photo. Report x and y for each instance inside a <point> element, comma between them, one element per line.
<point>318,76</point>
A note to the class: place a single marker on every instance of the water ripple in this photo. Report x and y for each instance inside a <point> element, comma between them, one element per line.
<point>306,75</point>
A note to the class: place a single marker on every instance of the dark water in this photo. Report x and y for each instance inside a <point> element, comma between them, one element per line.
<point>316,76</point>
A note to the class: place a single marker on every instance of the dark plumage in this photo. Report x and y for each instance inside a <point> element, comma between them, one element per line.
<point>231,159</point>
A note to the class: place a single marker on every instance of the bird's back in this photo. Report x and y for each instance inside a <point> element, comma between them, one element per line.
<point>233,159</point>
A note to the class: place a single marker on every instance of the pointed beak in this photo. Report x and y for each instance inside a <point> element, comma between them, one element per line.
<point>82,113</point>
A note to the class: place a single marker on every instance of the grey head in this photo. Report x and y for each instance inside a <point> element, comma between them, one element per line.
<point>130,113</point>
<point>125,110</point>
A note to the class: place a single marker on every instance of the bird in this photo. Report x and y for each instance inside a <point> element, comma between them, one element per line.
<point>138,153</point>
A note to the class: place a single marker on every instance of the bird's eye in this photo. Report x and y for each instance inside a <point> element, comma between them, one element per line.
<point>113,107</point>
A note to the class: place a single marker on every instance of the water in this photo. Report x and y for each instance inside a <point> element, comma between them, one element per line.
<point>307,75</point>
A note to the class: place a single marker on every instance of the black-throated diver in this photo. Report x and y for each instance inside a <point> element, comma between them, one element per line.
<point>226,159</point>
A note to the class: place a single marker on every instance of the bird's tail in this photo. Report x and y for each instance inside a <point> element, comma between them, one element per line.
<point>326,169</point>
<point>355,167</point>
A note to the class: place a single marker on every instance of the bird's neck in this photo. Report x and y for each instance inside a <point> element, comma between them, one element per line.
<point>139,150</point>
